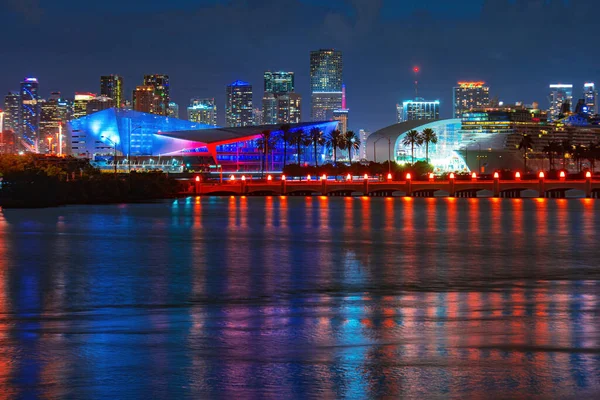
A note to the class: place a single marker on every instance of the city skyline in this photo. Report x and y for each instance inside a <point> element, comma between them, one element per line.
<point>366,33</point>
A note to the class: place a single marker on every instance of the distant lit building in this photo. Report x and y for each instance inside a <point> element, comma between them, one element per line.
<point>257,117</point>
<point>289,108</point>
<point>280,105</point>
<point>100,103</point>
<point>144,100</point>
<point>590,95</point>
<point>29,113</point>
<point>162,92</point>
<point>173,110</point>
<point>561,100</point>
<point>469,96</point>
<point>269,109</point>
<point>238,107</point>
<point>342,117</point>
<point>418,110</point>
<point>12,105</point>
<point>203,111</point>
<point>279,82</point>
<point>112,86</point>
<point>53,113</point>
<point>363,135</point>
<point>326,67</point>
<point>80,104</point>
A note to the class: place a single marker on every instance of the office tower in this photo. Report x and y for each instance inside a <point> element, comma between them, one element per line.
<point>80,104</point>
<point>238,107</point>
<point>590,95</point>
<point>561,99</point>
<point>257,117</point>
<point>269,109</point>
<point>363,135</point>
<point>111,86</point>
<point>53,113</point>
<point>326,83</point>
<point>203,111</point>
<point>12,104</point>
<point>289,108</point>
<point>162,92</point>
<point>341,116</point>
<point>279,82</point>
<point>100,103</point>
<point>29,113</point>
<point>418,110</point>
<point>469,96</point>
<point>144,99</point>
<point>173,111</point>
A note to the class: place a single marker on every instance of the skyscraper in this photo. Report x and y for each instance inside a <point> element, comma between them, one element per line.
<point>590,95</point>
<point>99,103</point>
<point>418,109</point>
<point>341,116</point>
<point>29,114</point>
<point>173,111</point>
<point>203,111</point>
<point>112,86</point>
<point>53,113</point>
<point>469,96</point>
<point>12,104</point>
<point>238,107</point>
<point>326,68</point>
<point>162,91</point>
<point>280,104</point>
<point>561,99</point>
<point>80,103</point>
<point>144,99</point>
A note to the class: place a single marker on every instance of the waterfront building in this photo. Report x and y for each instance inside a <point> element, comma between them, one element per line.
<point>12,104</point>
<point>561,100</point>
<point>111,86</point>
<point>326,68</point>
<point>162,92</point>
<point>203,111</point>
<point>173,111</point>
<point>99,103</point>
<point>173,140</point>
<point>238,106</point>
<point>29,114</point>
<point>80,103</point>
<point>418,110</point>
<point>590,95</point>
<point>469,96</point>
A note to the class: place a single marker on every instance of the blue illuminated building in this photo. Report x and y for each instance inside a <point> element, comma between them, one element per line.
<point>147,136</point>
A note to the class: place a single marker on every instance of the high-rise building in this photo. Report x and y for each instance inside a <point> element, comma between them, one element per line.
<point>173,111</point>
<point>363,135</point>
<point>144,99</point>
<point>53,113</point>
<point>257,117</point>
<point>326,68</point>
<point>561,100</point>
<point>111,86</point>
<point>238,107</point>
<point>100,103</point>
<point>279,82</point>
<point>80,103</point>
<point>418,110</point>
<point>280,104</point>
<point>469,96</point>
<point>30,112</point>
<point>162,91</point>
<point>590,95</point>
<point>12,104</point>
<point>203,111</point>
<point>341,116</point>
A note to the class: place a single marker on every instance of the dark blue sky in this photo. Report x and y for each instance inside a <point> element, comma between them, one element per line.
<point>517,46</point>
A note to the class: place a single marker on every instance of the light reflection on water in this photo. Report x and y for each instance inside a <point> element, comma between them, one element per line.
<point>301,298</point>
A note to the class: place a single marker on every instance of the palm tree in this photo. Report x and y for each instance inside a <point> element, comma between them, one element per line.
<point>334,140</point>
<point>316,138</point>
<point>592,154</point>
<point>525,144</point>
<point>298,141</point>
<point>428,136</point>
<point>412,139</point>
<point>286,136</point>
<point>351,142</point>
<point>263,143</point>
<point>551,149</point>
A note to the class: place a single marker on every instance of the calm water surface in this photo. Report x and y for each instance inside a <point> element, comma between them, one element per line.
<point>274,298</point>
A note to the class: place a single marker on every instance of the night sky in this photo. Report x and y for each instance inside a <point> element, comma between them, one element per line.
<point>517,46</point>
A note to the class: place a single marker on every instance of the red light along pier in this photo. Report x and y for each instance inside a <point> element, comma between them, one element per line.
<point>367,186</point>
